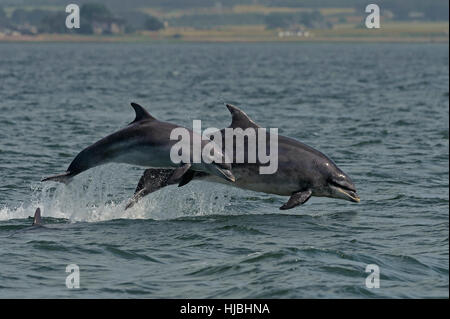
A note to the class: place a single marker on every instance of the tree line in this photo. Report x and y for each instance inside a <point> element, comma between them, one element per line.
<point>94,18</point>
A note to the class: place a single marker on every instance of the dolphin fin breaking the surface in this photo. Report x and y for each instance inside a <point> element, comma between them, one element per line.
<point>37,221</point>
<point>36,225</point>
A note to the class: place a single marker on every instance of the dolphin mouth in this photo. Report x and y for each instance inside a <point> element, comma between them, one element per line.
<point>351,194</point>
<point>225,173</point>
<point>346,193</point>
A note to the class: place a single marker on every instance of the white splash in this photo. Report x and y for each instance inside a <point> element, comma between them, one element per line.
<point>100,194</point>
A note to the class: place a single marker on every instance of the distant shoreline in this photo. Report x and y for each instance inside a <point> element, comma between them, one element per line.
<point>214,39</point>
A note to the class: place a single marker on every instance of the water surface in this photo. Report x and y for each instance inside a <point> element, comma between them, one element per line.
<point>380,111</point>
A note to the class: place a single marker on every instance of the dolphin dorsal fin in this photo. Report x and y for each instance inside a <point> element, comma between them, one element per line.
<point>141,113</point>
<point>37,217</point>
<point>239,118</point>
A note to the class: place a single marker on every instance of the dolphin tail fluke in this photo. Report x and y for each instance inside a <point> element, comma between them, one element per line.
<point>37,217</point>
<point>62,178</point>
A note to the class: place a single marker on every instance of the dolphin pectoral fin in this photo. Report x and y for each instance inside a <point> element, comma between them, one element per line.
<point>186,178</point>
<point>296,199</point>
<point>152,180</point>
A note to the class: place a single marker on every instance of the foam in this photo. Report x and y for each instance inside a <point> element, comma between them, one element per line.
<point>100,195</point>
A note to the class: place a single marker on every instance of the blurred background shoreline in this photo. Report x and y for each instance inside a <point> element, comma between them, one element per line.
<point>224,21</point>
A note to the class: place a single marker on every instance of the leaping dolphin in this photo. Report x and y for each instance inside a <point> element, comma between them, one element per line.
<point>144,142</point>
<point>302,172</point>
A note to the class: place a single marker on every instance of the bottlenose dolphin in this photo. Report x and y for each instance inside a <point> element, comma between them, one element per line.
<point>302,172</point>
<point>144,142</point>
<point>36,225</point>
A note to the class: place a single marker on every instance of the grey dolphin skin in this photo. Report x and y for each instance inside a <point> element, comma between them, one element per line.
<point>302,172</point>
<point>144,142</point>
<point>37,221</point>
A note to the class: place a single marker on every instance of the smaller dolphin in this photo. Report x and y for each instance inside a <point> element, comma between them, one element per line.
<point>144,142</point>
<point>37,224</point>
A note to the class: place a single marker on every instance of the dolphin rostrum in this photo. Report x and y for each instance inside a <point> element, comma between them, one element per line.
<point>144,142</point>
<point>302,172</point>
